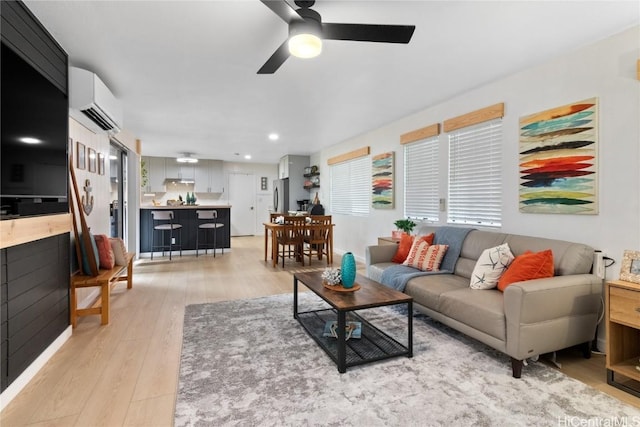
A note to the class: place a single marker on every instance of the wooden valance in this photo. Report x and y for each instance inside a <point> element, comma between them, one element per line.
<point>364,151</point>
<point>422,133</point>
<point>475,117</point>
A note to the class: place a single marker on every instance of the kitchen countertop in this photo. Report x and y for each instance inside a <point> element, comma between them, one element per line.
<point>187,207</point>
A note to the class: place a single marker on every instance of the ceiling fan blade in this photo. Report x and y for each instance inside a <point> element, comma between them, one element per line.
<point>282,9</point>
<point>276,60</point>
<point>368,32</point>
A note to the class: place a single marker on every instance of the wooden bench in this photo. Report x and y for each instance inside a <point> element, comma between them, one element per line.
<point>106,280</point>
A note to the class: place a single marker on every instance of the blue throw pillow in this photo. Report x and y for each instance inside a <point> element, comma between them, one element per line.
<point>86,268</point>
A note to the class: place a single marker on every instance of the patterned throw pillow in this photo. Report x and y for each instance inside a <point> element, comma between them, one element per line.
<point>490,266</point>
<point>426,257</point>
<point>405,245</point>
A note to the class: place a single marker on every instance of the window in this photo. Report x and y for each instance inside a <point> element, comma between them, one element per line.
<point>421,198</point>
<point>475,162</point>
<point>351,187</point>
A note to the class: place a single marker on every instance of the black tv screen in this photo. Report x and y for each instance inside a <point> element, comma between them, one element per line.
<point>34,127</point>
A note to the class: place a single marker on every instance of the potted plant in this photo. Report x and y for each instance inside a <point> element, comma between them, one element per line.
<point>404,226</point>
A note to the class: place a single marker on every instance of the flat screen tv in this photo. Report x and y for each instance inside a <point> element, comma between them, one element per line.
<point>34,122</point>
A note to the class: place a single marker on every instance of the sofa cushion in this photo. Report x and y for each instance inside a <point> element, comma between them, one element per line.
<point>483,311</point>
<point>426,290</point>
<point>426,257</point>
<point>374,271</point>
<point>490,266</point>
<point>528,266</point>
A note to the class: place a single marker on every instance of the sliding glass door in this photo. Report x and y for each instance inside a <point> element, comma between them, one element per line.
<point>118,199</point>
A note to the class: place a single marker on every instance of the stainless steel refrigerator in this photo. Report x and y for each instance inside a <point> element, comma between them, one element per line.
<point>281,196</point>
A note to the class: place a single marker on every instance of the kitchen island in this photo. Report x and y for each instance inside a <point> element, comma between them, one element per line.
<point>186,216</point>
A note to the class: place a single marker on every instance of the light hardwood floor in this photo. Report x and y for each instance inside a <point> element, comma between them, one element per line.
<point>126,373</point>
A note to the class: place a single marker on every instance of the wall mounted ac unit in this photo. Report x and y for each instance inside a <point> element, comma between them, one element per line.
<point>92,103</point>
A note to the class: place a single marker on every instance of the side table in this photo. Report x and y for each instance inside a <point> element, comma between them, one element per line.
<point>623,335</point>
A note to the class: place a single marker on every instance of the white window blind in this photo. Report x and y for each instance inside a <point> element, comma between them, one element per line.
<point>475,184</point>
<point>421,199</point>
<point>351,187</point>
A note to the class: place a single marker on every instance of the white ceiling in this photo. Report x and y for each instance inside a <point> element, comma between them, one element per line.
<point>186,70</point>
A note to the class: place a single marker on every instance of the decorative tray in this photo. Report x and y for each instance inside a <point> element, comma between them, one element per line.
<point>340,288</point>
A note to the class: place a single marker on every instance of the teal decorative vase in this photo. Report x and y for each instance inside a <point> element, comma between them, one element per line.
<point>348,270</point>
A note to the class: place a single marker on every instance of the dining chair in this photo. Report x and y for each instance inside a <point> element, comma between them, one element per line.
<point>316,241</point>
<point>210,218</point>
<point>163,221</point>
<point>290,238</point>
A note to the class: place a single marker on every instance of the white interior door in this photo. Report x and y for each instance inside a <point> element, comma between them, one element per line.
<point>242,196</point>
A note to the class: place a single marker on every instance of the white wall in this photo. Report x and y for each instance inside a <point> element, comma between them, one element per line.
<point>606,70</point>
<point>263,198</point>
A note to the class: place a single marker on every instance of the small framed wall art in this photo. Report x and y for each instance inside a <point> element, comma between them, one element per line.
<point>630,268</point>
<point>81,162</point>
<point>100,164</point>
<point>93,160</point>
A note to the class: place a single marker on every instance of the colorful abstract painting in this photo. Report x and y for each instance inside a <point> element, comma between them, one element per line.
<point>382,181</point>
<point>558,160</point>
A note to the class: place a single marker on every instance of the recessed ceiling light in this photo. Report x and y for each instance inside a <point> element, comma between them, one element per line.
<point>30,140</point>
<point>112,157</point>
<point>247,156</point>
<point>273,137</point>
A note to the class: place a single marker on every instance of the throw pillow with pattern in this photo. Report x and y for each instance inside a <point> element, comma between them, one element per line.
<point>491,266</point>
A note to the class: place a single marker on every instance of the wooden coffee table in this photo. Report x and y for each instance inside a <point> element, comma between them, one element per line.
<point>374,344</point>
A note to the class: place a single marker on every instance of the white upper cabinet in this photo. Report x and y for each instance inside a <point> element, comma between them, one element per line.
<point>174,169</point>
<point>155,174</point>
<point>283,167</point>
<point>209,177</point>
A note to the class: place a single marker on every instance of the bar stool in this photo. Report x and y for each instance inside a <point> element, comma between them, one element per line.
<point>163,227</point>
<point>214,225</point>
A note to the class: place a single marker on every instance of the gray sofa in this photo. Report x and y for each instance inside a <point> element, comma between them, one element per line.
<point>530,318</point>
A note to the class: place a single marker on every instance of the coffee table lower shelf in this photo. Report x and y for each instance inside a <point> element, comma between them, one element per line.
<point>373,345</point>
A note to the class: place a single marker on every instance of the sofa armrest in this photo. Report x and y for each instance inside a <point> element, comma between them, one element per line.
<point>546,315</point>
<point>555,297</point>
<point>380,253</point>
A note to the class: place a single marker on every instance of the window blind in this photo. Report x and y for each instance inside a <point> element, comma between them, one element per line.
<point>351,187</point>
<point>475,177</point>
<point>421,198</point>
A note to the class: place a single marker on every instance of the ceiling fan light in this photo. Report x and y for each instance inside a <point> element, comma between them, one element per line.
<point>305,45</point>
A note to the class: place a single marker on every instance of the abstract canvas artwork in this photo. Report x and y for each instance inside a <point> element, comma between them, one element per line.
<point>382,181</point>
<point>558,160</point>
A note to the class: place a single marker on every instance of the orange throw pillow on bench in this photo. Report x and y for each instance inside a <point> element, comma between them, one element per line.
<point>528,266</point>
<point>406,241</point>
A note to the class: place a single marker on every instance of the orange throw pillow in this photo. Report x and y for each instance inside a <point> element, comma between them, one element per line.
<point>404,247</point>
<point>528,266</point>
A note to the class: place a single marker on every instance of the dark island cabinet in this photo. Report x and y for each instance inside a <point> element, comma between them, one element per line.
<point>34,301</point>
<point>186,216</point>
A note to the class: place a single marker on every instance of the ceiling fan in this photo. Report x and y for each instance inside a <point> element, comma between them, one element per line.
<point>306,31</point>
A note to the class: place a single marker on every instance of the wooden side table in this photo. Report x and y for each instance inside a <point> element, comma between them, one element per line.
<point>623,335</point>
<point>388,241</point>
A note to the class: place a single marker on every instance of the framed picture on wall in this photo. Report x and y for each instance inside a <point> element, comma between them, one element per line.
<point>93,160</point>
<point>100,164</point>
<point>80,156</point>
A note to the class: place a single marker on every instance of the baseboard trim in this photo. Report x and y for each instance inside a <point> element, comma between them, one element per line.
<point>21,382</point>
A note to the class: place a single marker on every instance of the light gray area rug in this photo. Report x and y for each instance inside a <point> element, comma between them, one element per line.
<point>249,363</point>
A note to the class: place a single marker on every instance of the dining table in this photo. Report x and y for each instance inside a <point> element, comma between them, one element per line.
<point>271,228</point>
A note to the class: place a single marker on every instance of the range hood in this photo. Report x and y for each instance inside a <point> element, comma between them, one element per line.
<point>179,181</point>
